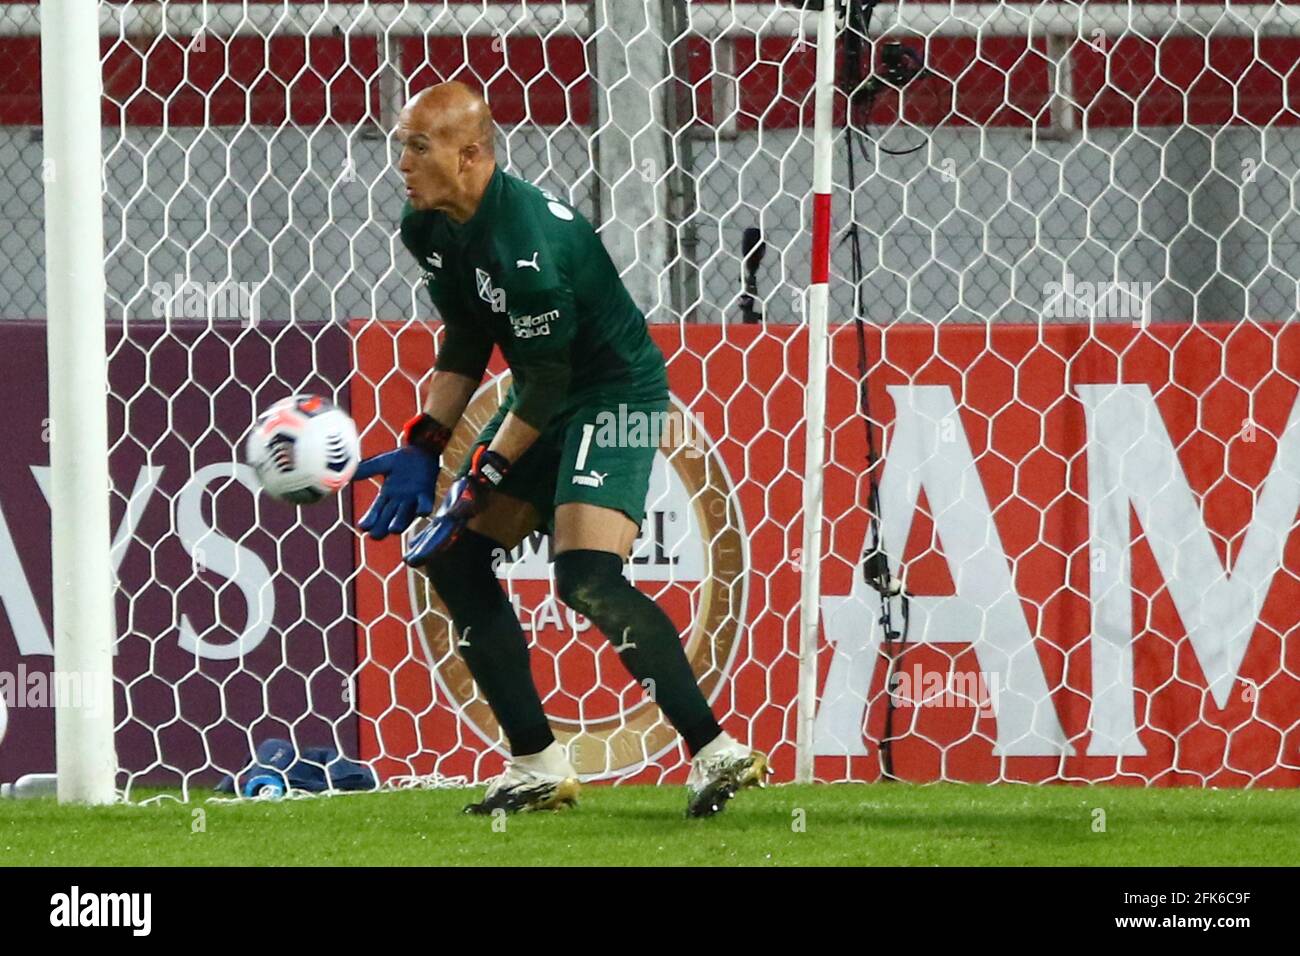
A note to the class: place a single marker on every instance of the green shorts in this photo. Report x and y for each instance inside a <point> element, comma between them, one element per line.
<point>595,454</point>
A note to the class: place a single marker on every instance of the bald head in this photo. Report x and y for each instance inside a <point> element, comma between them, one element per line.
<point>448,157</point>
<point>454,113</point>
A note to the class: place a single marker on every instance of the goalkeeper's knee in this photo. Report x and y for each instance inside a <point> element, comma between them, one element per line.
<point>587,581</point>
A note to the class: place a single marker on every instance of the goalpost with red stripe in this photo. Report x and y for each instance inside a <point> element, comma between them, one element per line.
<point>815,401</point>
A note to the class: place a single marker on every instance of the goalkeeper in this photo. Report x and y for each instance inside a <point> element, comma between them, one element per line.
<point>510,266</point>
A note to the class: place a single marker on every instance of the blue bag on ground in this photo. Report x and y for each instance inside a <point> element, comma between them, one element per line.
<point>314,769</point>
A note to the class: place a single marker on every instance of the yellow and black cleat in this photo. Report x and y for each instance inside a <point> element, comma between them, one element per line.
<point>531,793</point>
<point>713,783</point>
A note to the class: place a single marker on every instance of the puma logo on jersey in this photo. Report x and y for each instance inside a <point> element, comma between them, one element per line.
<point>593,480</point>
<point>428,263</point>
<point>528,263</point>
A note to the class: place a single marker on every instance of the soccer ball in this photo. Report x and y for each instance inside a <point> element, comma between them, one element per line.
<point>303,449</point>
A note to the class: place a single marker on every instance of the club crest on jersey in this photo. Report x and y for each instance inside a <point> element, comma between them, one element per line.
<point>493,297</point>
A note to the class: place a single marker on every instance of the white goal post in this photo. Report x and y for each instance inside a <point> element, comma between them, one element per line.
<point>1077,240</point>
<point>84,618</point>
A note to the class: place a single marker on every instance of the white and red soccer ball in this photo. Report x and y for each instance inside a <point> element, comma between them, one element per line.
<point>303,449</point>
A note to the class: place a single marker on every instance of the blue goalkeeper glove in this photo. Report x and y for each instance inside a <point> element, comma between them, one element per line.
<point>410,475</point>
<point>466,498</point>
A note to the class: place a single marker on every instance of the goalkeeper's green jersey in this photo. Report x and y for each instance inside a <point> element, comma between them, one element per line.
<point>530,275</point>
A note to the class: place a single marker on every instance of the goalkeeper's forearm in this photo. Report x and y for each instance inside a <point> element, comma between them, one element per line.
<point>513,438</point>
<point>446,396</point>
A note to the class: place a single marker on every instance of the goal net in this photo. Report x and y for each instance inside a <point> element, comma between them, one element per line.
<point>1074,254</point>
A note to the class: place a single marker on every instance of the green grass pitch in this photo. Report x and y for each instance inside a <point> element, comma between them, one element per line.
<point>847,824</point>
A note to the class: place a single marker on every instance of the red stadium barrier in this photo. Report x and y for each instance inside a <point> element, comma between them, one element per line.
<point>1020,400</point>
<point>998,80</point>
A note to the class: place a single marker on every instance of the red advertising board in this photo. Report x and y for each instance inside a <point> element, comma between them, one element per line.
<point>1062,503</point>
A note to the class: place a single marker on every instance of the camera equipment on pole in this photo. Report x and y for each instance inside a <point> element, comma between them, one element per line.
<point>899,66</point>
